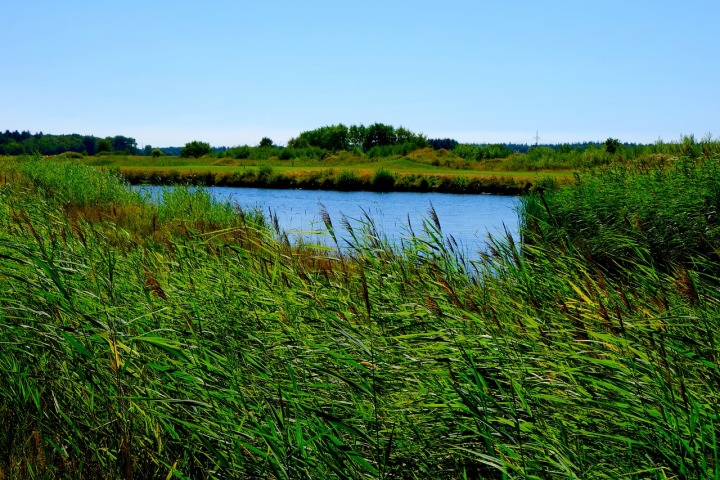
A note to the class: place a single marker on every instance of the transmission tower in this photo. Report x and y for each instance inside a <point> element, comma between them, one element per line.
<point>536,137</point>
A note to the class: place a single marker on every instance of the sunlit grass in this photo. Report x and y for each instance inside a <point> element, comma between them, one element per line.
<point>186,340</point>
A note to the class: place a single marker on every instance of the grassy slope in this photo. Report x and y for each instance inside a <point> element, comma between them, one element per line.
<point>423,163</point>
<point>183,340</point>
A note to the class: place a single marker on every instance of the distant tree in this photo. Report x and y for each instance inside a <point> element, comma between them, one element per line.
<point>266,142</point>
<point>356,135</point>
<point>90,145</point>
<point>104,145</point>
<point>13,148</point>
<point>157,153</point>
<point>147,151</point>
<point>238,152</point>
<point>405,136</point>
<point>195,149</point>
<point>332,137</point>
<point>378,134</point>
<point>124,144</point>
<point>446,143</point>
<point>612,145</point>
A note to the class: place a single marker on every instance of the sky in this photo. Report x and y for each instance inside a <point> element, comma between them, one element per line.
<point>231,72</point>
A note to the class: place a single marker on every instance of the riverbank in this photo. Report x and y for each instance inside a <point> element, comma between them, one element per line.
<point>382,180</point>
<point>419,171</point>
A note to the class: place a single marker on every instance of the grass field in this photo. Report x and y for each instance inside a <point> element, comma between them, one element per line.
<point>183,339</point>
<point>422,170</point>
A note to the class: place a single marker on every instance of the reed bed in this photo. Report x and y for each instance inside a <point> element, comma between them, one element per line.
<point>205,347</point>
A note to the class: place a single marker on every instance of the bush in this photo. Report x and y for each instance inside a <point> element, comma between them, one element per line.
<point>265,173</point>
<point>285,154</point>
<point>383,180</point>
<point>347,181</point>
<point>239,153</point>
<point>195,149</point>
<point>73,155</point>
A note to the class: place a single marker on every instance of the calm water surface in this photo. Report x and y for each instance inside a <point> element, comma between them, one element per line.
<point>468,218</point>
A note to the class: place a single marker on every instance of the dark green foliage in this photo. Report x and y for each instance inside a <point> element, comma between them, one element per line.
<point>17,143</point>
<point>285,154</point>
<point>612,145</point>
<point>348,181</point>
<point>443,143</point>
<point>336,138</point>
<point>379,135</point>
<point>195,149</point>
<point>383,180</point>
<point>238,152</point>
<point>332,138</point>
<point>266,142</point>
<point>104,145</point>
<point>156,152</point>
<point>265,173</point>
<point>124,144</point>
<point>671,214</point>
<point>90,144</point>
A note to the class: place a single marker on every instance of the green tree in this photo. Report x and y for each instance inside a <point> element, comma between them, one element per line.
<point>378,135</point>
<point>104,145</point>
<point>612,145</point>
<point>124,144</point>
<point>332,137</point>
<point>195,149</point>
<point>266,142</point>
<point>90,145</point>
<point>157,152</point>
<point>356,135</point>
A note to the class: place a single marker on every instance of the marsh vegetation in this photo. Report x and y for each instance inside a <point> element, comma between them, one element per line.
<point>183,339</point>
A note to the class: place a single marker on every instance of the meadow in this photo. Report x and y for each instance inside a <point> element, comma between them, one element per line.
<point>421,170</point>
<point>185,338</point>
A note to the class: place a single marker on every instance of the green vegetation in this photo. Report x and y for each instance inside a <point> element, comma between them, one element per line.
<point>18,143</point>
<point>374,137</point>
<point>266,142</point>
<point>322,159</point>
<point>182,338</point>
<point>349,158</point>
<point>195,149</point>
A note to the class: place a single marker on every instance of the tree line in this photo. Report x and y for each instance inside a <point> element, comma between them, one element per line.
<point>19,143</point>
<point>375,141</point>
<point>339,137</point>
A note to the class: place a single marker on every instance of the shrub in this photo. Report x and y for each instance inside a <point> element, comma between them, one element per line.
<point>72,155</point>
<point>239,153</point>
<point>195,149</point>
<point>383,180</point>
<point>348,181</point>
<point>265,173</point>
<point>285,154</point>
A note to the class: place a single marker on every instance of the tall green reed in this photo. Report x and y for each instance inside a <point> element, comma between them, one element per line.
<point>210,354</point>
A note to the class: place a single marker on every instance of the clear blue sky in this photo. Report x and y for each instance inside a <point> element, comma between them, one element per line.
<point>230,72</point>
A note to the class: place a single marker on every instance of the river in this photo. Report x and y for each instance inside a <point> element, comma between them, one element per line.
<point>467,218</point>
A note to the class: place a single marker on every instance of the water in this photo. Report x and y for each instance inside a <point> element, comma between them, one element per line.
<point>468,218</point>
